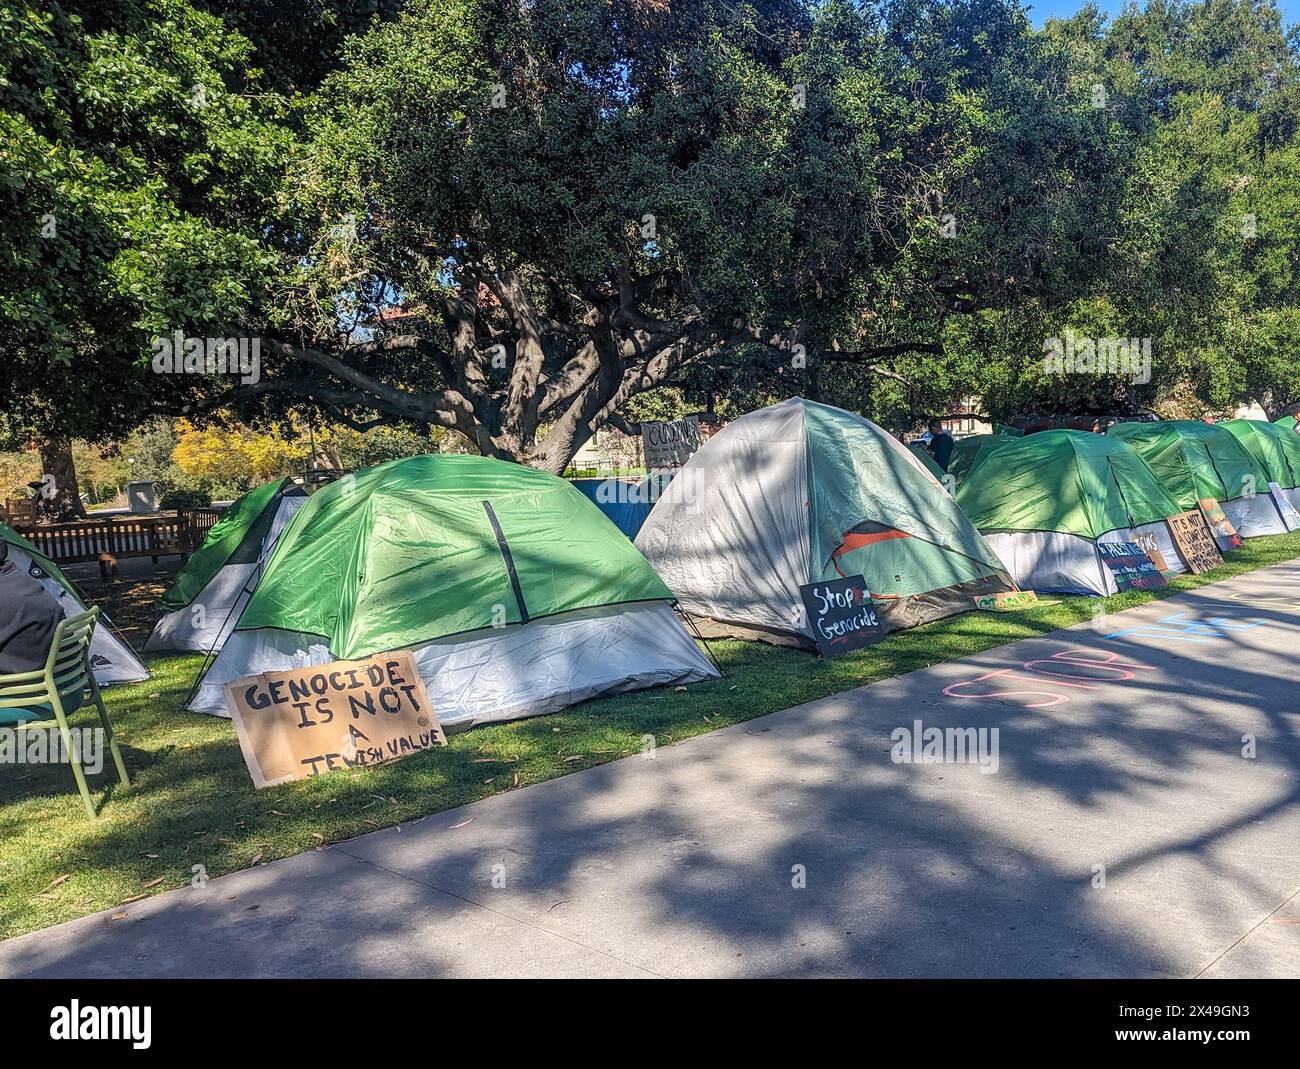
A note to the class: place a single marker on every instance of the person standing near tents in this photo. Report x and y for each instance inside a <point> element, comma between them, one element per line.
<point>30,617</point>
<point>941,443</point>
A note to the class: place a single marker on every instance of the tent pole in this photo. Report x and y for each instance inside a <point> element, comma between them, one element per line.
<point>690,624</point>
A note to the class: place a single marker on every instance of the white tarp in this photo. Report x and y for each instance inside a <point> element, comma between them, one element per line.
<point>111,659</point>
<point>206,622</point>
<point>738,555</point>
<point>522,670</point>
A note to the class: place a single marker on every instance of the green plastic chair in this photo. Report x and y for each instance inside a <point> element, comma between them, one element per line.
<point>59,689</point>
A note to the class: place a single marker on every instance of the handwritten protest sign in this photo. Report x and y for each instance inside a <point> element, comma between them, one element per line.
<point>1150,545</point>
<point>1130,566</point>
<point>842,615</point>
<point>1010,601</point>
<point>346,714</point>
<point>1225,534</point>
<point>1194,541</point>
<point>670,444</point>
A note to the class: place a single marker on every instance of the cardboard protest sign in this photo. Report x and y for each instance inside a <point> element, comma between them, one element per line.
<point>1010,601</point>
<point>1192,537</point>
<point>1225,534</point>
<point>1151,547</point>
<point>1130,566</point>
<point>346,714</point>
<point>671,444</point>
<point>842,615</point>
<point>1284,507</point>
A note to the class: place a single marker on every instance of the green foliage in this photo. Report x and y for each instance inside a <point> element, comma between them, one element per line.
<point>917,193</point>
<point>139,161</point>
<point>182,497</point>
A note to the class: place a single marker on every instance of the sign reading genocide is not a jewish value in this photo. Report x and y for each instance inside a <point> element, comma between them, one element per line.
<point>347,714</point>
<point>671,444</point>
<point>842,615</point>
<point>1131,566</point>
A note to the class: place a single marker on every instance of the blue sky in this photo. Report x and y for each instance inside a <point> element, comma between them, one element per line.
<point>1040,10</point>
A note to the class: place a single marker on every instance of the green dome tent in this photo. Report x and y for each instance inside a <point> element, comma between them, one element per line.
<point>971,450</point>
<point>1287,422</point>
<point>1277,451</point>
<point>1198,461</point>
<point>513,592</point>
<point>111,659</point>
<point>1044,501</point>
<point>208,594</point>
<point>798,493</point>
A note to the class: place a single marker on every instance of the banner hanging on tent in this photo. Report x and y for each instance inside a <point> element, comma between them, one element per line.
<point>670,444</point>
<point>1131,566</point>
<point>347,714</point>
<point>842,615</point>
<point>1192,536</point>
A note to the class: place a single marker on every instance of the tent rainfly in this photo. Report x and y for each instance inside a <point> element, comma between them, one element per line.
<point>969,451</point>
<point>799,493</point>
<point>1197,461</point>
<point>1045,500</point>
<point>513,593</point>
<point>111,659</point>
<point>214,586</point>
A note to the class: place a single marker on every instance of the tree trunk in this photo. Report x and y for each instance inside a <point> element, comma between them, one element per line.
<point>58,498</point>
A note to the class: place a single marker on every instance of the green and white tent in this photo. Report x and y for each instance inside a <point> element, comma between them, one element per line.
<point>1197,461</point>
<point>1277,451</point>
<point>111,659</point>
<point>799,493</point>
<point>1044,501</point>
<point>212,589</point>
<point>512,591</point>
<point>969,451</point>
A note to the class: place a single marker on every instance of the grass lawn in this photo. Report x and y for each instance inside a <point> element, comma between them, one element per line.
<point>192,802</point>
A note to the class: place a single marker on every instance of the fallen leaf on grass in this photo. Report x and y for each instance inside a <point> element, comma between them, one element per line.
<point>153,883</point>
<point>133,898</point>
<point>574,757</point>
<point>58,880</point>
<point>256,858</point>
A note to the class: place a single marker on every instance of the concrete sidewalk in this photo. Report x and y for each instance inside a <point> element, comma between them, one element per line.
<point>1123,834</point>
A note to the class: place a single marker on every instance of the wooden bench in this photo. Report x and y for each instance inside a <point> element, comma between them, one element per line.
<point>112,538</point>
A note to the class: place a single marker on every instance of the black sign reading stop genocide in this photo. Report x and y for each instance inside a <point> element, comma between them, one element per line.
<point>842,615</point>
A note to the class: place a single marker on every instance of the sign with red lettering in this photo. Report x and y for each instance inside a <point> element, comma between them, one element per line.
<point>346,714</point>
